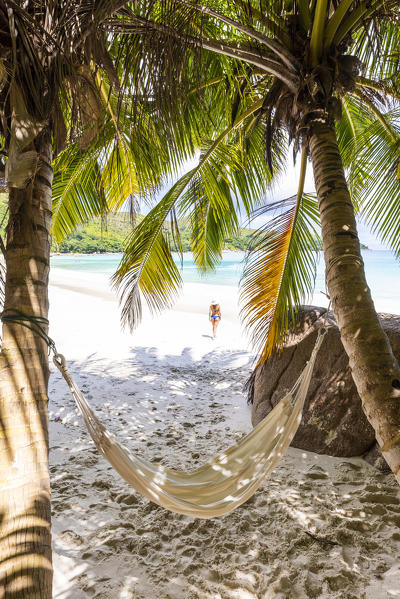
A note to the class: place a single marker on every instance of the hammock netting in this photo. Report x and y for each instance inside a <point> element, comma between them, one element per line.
<point>224,482</point>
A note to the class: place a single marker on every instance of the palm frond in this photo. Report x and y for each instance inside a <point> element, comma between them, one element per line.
<point>147,266</point>
<point>236,177</point>
<point>211,223</point>
<point>279,271</point>
<point>76,192</point>
<point>356,119</point>
<point>377,46</point>
<point>377,162</point>
<point>118,175</point>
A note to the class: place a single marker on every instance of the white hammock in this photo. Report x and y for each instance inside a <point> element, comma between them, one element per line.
<point>224,482</point>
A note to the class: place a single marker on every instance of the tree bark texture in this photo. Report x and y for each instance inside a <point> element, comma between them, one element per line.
<point>375,370</point>
<point>25,538</point>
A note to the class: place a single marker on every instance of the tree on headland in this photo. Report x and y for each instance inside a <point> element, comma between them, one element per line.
<point>316,75</point>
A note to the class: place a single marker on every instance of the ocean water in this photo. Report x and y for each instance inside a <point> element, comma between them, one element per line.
<point>382,270</point>
<point>228,273</point>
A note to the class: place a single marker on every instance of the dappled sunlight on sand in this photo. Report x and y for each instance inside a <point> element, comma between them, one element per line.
<point>320,527</point>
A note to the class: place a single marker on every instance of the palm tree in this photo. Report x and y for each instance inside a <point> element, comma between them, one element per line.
<point>320,71</point>
<point>66,81</point>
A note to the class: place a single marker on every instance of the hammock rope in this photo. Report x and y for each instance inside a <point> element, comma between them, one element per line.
<point>221,484</point>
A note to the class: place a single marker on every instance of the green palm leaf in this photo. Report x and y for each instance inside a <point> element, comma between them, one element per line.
<point>76,190</point>
<point>211,223</point>
<point>148,265</point>
<point>378,162</point>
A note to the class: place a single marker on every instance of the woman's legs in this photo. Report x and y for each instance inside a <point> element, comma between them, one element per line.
<point>215,324</point>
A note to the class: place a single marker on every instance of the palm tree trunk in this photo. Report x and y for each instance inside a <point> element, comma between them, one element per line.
<point>25,540</point>
<point>375,370</point>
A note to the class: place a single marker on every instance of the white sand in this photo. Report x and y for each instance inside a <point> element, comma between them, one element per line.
<point>174,395</point>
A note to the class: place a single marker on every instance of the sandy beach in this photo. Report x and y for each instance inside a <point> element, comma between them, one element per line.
<point>319,527</point>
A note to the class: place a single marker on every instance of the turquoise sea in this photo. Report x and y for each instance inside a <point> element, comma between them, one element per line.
<point>382,270</point>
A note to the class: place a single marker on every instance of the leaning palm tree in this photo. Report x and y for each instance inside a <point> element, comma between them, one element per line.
<point>66,81</point>
<point>313,74</point>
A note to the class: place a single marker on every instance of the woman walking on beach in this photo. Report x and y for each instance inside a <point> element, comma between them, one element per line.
<point>214,315</point>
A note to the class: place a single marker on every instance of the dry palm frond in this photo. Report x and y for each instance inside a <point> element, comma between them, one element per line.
<point>279,271</point>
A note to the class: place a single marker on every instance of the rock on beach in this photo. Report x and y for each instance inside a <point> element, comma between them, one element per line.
<point>333,420</point>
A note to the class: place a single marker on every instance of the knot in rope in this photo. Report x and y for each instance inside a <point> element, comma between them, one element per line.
<point>34,323</point>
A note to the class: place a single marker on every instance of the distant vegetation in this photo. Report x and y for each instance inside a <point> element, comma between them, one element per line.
<point>110,235</point>
<point>97,236</point>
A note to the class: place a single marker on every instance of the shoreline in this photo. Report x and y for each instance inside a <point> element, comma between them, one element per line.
<point>78,254</point>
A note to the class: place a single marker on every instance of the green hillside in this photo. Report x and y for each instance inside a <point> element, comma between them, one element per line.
<point>109,236</point>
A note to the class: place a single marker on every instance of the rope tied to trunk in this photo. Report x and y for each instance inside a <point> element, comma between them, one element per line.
<point>36,324</point>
